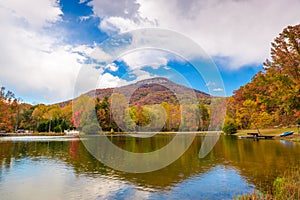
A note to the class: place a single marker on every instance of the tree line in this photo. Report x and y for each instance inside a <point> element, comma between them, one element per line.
<point>166,116</point>
<point>116,115</point>
<point>15,115</point>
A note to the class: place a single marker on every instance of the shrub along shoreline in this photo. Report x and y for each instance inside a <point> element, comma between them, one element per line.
<point>284,187</point>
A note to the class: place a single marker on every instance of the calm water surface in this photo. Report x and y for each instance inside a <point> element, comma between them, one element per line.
<point>62,168</point>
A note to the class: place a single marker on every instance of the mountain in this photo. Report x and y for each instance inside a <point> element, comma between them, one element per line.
<point>148,91</point>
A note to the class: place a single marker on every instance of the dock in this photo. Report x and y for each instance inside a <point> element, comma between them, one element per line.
<point>256,136</point>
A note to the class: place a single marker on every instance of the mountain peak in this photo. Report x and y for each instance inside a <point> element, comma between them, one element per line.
<point>149,91</point>
<point>155,91</point>
<point>154,80</point>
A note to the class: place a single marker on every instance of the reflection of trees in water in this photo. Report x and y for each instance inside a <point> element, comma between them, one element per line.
<point>258,162</point>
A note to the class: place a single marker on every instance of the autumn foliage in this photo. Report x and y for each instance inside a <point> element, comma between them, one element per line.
<point>8,108</point>
<point>272,98</point>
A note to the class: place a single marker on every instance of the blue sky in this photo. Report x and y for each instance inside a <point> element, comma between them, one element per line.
<point>45,44</point>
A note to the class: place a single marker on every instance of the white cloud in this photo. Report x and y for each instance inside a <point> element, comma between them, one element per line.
<point>107,80</point>
<point>141,75</point>
<point>32,62</point>
<point>217,89</point>
<point>124,9</point>
<point>238,31</point>
<point>112,67</point>
<point>84,18</point>
<point>82,1</point>
<point>35,13</point>
<point>167,68</point>
<point>27,64</point>
<point>119,16</point>
<point>99,55</point>
<point>113,25</point>
<point>94,52</point>
<point>146,57</point>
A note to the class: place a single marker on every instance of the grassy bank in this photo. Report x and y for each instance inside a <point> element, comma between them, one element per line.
<point>269,131</point>
<point>33,134</point>
<point>283,188</point>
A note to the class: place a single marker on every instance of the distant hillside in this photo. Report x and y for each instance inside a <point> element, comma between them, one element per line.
<point>147,92</point>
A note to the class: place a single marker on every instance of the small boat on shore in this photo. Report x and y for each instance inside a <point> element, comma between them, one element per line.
<point>287,133</point>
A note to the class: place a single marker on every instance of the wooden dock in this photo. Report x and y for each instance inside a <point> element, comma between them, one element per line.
<point>256,136</point>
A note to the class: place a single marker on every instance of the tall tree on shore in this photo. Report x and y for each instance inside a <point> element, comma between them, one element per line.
<point>284,70</point>
<point>8,110</point>
<point>285,54</point>
<point>274,92</point>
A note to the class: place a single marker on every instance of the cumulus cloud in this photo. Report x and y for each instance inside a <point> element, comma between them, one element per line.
<point>32,62</point>
<point>48,11</point>
<point>146,57</point>
<point>238,31</point>
<point>114,25</point>
<point>119,16</point>
<point>124,9</point>
<point>112,67</point>
<point>107,80</point>
<point>94,52</point>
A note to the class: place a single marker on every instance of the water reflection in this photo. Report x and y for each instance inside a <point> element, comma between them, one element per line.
<point>64,169</point>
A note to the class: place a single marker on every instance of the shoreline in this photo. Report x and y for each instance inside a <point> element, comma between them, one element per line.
<point>109,133</point>
<point>271,131</point>
<point>274,132</point>
<point>31,134</point>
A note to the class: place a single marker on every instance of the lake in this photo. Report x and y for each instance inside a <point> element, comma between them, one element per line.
<point>62,168</point>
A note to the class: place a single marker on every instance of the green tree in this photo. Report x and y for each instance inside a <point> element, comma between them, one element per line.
<point>203,117</point>
<point>229,126</point>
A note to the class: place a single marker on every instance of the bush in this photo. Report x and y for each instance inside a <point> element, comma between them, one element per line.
<point>229,127</point>
<point>288,186</point>
<point>57,129</point>
<point>64,125</point>
<point>43,127</point>
<point>285,187</point>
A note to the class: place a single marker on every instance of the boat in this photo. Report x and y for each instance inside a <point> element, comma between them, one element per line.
<point>286,133</point>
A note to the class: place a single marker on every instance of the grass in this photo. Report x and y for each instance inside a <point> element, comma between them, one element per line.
<point>294,138</point>
<point>255,196</point>
<point>269,131</point>
<point>286,187</point>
